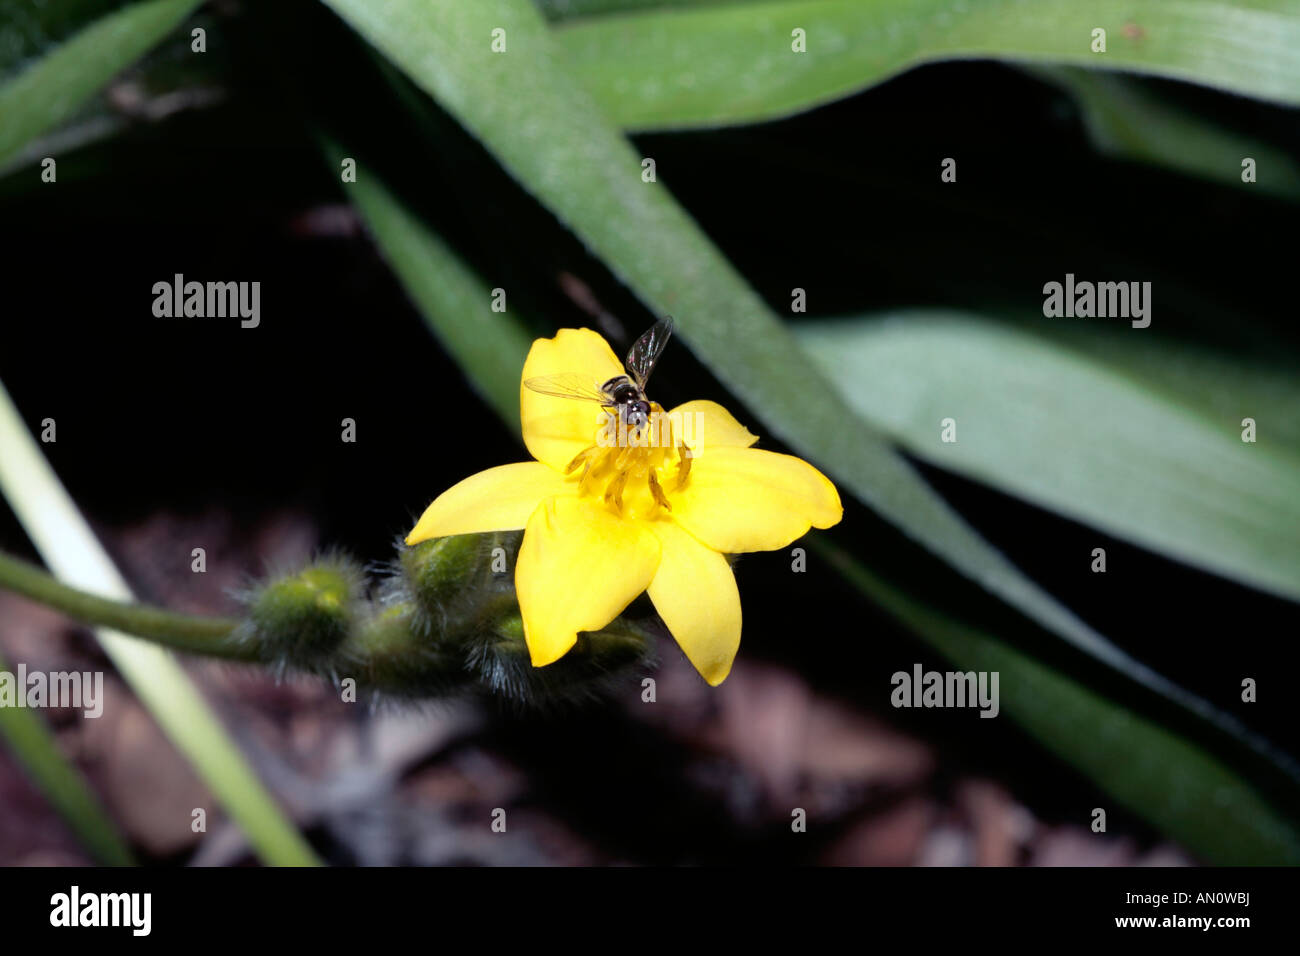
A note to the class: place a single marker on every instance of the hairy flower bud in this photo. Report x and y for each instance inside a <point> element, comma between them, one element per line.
<point>444,622</point>
<point>301,619</point>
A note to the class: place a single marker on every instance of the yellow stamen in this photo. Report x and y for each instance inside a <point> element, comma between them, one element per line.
<point>629,476</point>
<point>658,493</point>
<point>614,491</point>
<point>683,466</point>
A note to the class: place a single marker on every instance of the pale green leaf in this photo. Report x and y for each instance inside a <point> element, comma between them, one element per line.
<point>1127,121</point>
<point>37,750</point>
<point>734,63</point>
<point>1079,438</point>
<point>72,551</point>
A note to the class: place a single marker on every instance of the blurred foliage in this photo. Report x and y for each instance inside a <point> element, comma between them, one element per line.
<point>1132,434</point>
<point>37,749</point>
<point>1070,435</point>
<point>54,523</point>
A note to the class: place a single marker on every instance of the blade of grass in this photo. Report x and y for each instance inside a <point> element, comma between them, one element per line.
<point>71,550</point>
<point>1070,435</point>
<point>1165,779</point>
<point>733,63</point>
<point>52,90</point>
<point>63,785</point>
<point>455,302</point>
<point>1127,121</point>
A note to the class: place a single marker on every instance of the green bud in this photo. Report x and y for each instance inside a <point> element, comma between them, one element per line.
<point>441,571</point>
<point>302,618</point>
<point>501,662</point>
<point>390,654</point>
<point>445,622</point>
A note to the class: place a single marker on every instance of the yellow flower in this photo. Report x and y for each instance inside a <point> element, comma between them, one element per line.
<point>604,522</point>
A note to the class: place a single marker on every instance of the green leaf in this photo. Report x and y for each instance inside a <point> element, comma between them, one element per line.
<point>38,751</point>
<point>1168,780</point>
<point>1220,383</point>
<point>1127,121</point>
<point>71,550</point>
<point>733,63</point>
<point>1075,436</point>
<point>489,346</point>
<point>53,89</point>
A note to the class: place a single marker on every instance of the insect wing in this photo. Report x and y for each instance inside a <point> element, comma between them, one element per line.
<point>568,385</point>
<point>645,352</point>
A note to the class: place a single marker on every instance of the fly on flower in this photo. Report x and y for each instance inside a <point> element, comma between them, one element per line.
<point>603,523</point>
<point>621,394</point>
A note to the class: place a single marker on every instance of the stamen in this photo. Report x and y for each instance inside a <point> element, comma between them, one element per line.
<point>578,460</point>
<point>684,468</point>
<point>614,492</point>
<point>610,471</point>
<point>658,493</point>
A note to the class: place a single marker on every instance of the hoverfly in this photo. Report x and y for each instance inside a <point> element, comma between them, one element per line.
<point>622,393</point>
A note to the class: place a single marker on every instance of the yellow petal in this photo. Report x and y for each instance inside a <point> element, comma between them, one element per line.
<point>499,499</point>
<point>579,567</point>
<point>746,499</point>
<point>695,593</point>
<point>555,429</point>
<point>704,423</point>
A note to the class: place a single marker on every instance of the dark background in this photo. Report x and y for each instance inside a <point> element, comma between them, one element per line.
<point>189,417</point>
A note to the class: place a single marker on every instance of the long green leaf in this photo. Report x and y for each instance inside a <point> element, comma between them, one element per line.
<point>1218,384</point>
<point>38,751</point>
<point>548,133</point>
<point>1155,774</point>
<point>1127,121</point>
<point>71,550</point>
<point>1071,435</point>
<point>734,63</point>
<point>457,304</point>
<point>51,90</point>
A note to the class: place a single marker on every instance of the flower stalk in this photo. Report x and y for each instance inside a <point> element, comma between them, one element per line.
<point>180,632</point>
<point>443,622</point>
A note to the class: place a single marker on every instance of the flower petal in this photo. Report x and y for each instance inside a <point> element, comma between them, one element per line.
<point>705,424</point>
<point>579,567</point>
<point>555,429</point>
<point>695,593</point>
<point>746,499</point>
<point>499,499</point>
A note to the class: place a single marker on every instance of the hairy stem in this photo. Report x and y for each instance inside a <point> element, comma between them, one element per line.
<point>181,632</point>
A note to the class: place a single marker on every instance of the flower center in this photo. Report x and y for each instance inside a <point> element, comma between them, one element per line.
<point>634,468</point>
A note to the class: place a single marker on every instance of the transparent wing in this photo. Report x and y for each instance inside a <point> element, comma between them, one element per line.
<point>568,385</point>
<point>645,352</point>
